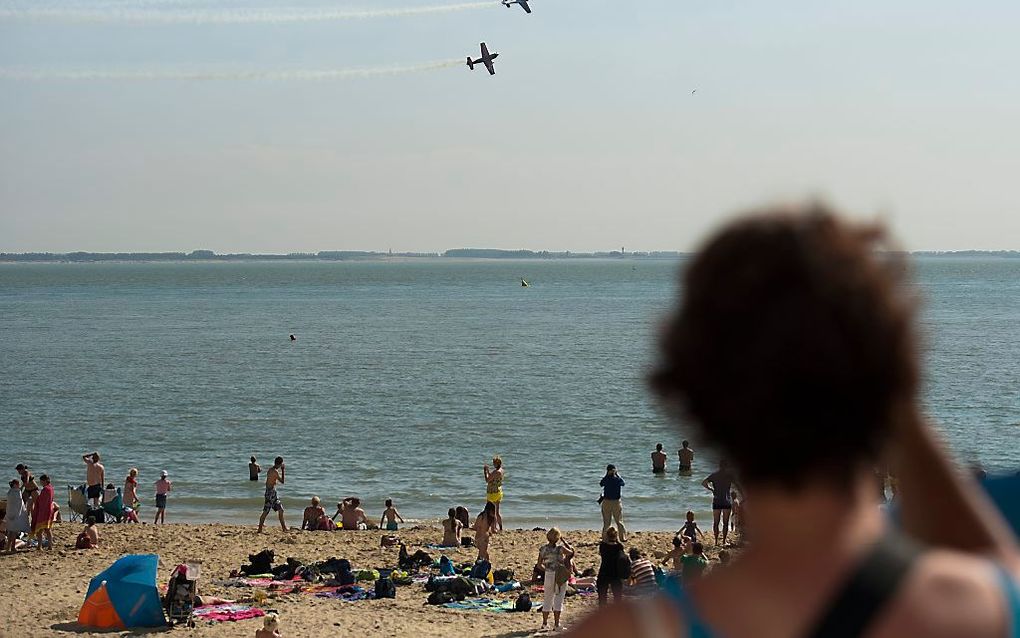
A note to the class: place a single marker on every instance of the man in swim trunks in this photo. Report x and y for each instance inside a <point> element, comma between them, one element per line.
<point>720,481</point>
<point>276,474</point>
<point>95,477</point>
<point>658,460</point>
<point>686,455</point>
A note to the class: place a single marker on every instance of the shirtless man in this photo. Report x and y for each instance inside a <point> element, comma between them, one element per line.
<point>95,477</point>
<point>276,474</point>
<point>686,456</point>
<point>353,517</point>
<point>658,460</point>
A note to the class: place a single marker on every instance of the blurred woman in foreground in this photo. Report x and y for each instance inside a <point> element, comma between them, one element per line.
<point>796,336</point>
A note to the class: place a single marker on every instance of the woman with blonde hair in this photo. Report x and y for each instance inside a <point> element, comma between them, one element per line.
<point>554,558</point>
<point>494,487</point>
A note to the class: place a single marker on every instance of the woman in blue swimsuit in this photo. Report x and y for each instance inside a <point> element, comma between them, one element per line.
<point>794,350</point>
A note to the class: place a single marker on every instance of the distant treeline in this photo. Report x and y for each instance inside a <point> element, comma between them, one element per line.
<point>364,255</point>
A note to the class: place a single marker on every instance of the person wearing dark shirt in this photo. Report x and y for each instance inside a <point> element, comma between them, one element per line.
<point>611,508</point>
<point>610,571</point>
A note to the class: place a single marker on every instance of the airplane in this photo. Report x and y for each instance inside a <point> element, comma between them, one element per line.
<point>486,59</point>
<point>523,3</point>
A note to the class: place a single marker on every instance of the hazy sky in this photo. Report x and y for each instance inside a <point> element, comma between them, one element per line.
<point>588,138</point>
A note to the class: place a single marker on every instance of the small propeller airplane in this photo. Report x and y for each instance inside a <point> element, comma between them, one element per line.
<point>486,59</point>
<point>523,3</point>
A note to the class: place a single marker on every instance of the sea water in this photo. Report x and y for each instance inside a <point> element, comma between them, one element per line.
<point>407,376</point>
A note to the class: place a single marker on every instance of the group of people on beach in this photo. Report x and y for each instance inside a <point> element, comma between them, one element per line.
<point>32,508</point>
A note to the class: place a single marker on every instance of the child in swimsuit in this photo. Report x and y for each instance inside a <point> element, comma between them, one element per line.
<point>690,529</point>
<point>390,516</point>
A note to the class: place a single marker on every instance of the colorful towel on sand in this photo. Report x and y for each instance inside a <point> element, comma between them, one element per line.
<point>348,593</point>
<point>482,604</point>
<point>227,613</point>
<point>442,547</point>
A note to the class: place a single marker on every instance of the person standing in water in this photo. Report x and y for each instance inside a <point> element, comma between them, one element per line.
<point>658,460</point>
<point>276,474</point>
<point>254,469</point>
<point>686,456</point>
<point>718,483</point>
<point>494,488</point>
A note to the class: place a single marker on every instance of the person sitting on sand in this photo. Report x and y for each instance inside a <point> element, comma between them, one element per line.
<point>676,555</point>
<point>693,561</point>
<point>390,516</point>
<point>451,529</point>
<point>312,515</point>
<point>690,529</point>
<point>270,626</point>
<point>89,537</point>
<point>642,573</point>
<point>484,526</point>
<point>351,514</point>
<point>464,516</point>
<point>658,460</point>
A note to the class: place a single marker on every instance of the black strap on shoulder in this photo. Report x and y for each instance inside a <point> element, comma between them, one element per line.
<point>868,589</point>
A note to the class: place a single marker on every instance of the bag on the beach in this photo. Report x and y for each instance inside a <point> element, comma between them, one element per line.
<point>467,541</point>
<point>523,602</point>
<point>503,575</point>
<point>481,569</point>
<point>440,598</point>
<point>446,566</point>
<point>368,574</point>
<point>384,588</point>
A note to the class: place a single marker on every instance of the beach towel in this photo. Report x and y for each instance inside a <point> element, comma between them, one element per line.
<point>349,593</point>
<point>226,613</point>
<point>42,510</point>
<point>442,547</point>
<point>481,604</point>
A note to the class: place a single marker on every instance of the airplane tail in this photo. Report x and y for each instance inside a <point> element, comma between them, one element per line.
<point>471,65</point>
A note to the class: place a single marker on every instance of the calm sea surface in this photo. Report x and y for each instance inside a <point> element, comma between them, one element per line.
<point>407,376</point>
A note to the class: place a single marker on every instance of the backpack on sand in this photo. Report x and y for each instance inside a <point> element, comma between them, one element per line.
<point>481,569</point>
<point>440,598</point>
<point>384,588</point>
<point>523,602</point>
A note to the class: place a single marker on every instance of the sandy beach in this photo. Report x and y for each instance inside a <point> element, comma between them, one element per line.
<point>43,591</point>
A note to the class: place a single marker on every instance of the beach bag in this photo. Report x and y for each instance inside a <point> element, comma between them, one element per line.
<point>503,575</point>
<point>467,541</point>
<point>481,569</point>
<point>384,588</point>
<point>446,566</point>
<point>439,598</point>
<point>368,574</point>
<point>389,541</point>
<point>401,578</point>
<point>523,602</point>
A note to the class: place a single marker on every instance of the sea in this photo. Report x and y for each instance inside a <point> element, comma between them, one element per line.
<point>406,376</point>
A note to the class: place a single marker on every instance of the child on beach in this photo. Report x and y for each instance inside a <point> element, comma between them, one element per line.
<point>351,515</point>
<point>390,516</point>
<point>163,487</point>
<point>690,529</point>
<point>89,537</point>
<point>675,555</point>
<point>270,627</point>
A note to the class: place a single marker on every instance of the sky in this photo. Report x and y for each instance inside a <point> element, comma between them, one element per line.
<point>609,123</point>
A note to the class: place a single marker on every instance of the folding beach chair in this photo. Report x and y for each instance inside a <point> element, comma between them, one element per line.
<point>76,503</point>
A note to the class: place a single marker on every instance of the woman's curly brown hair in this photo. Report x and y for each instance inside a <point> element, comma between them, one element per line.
<point>793,345</point>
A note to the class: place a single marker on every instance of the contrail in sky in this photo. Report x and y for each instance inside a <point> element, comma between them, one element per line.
<point>301,74</point>
<point>226,16</point>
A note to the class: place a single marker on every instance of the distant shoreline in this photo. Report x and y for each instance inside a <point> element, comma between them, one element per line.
<point>356,255</point>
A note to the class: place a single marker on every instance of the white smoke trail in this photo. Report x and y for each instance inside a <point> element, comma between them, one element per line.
<point>227,16</point>
<point>301,74</point>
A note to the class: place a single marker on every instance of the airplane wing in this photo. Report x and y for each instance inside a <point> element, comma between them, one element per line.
<point>485,50</point>
<point>488,65</point>
<point>524,5</point>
